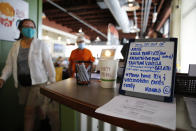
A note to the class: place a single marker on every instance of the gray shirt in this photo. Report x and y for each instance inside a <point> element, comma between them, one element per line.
<point>24,77</point>
<point>22,61</point>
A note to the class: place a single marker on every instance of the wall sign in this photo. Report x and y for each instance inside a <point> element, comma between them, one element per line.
<point>10,12</point>
<point>150,69</point>
<point>59,48</point>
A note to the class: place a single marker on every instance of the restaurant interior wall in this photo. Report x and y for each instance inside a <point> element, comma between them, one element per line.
<point>188,33</point>
<point>62,47</point>
<point>67,49</point>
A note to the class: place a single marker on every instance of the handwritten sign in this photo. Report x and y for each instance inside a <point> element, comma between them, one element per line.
<point>149,68</point>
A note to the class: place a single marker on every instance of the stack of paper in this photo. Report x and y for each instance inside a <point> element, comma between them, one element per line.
<point>141,110</point>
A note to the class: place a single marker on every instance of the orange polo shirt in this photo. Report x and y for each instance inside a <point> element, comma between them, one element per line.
<point>80,55</point>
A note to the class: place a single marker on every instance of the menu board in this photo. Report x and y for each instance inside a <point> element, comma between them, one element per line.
<point>150,69</point>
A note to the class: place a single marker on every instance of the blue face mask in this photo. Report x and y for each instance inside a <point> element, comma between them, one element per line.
<point>81,45</point>
<point>28,32</point>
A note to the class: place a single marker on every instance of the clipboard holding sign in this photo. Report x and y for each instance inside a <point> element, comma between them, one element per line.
<point>150,69</point>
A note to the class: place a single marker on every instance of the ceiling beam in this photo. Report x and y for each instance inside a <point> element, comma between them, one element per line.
<point>56,12</point>
<point>158,10</point>
<point>54,25</point>
<point>154,1</point>
<point>83,7</point>
<point>101,20</point>
<point>93,12</point>
<point>89,21</point>
<point>77,18</point>
<point>93,23</point>
<point>100,16</point>
<point>75,8</point>
<point>85,13</point>
<point>160,6</point>
<point>88,11</point>
<point>165,15</point>
<point>88,15</point>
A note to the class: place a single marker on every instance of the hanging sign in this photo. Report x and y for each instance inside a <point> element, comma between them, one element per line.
<point>10,12</point>
<point>150,69</point>
<point>113,37</point>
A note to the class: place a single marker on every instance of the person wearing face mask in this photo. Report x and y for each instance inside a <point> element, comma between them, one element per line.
<point>31,65</point>
<point>79,54</point>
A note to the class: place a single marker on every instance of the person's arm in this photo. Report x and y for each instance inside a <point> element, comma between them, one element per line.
<point>7,70</point>
<point>70,64</point>
<point>48,64</point>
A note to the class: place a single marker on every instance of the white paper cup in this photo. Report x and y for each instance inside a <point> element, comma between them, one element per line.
<point>108,73</point>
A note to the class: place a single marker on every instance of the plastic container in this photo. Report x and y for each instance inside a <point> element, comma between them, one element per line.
<point>83,72</point>
<point>108,73</point>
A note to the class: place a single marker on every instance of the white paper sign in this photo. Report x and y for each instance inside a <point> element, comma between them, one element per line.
<point>141,110</point>
<point>149,68</point>
<point>10,12</point>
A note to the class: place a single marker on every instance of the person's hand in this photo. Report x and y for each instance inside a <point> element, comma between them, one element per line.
<point>1,83</point>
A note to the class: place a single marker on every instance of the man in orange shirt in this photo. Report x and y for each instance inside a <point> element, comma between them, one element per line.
<point>79,54</point>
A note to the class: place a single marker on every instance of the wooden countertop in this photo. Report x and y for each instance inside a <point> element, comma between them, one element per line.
<point>87,98</point>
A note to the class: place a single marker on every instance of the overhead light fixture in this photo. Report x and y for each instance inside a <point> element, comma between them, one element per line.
<point>137,36</point>
<point>46,37</point>
<point>59,38</point>
<point>80,30</point>
<point>134,29</point>
<point>97,39</point>
<point>68,41</point>
<point>131,5</point>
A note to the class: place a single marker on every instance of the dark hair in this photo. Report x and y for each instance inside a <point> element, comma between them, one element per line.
<point>20,27</point>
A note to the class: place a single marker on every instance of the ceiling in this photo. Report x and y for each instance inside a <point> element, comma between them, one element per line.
<point>89,11</point>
